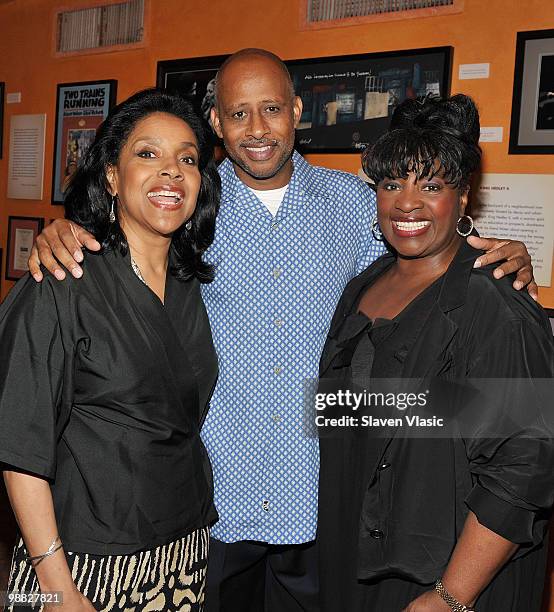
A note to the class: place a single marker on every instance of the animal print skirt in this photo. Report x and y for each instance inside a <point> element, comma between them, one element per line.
<point>169,578</point>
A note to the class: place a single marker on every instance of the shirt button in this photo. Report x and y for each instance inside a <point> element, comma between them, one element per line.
<point>276,272</point>
<point>278,322</point>
<point>384,465</point>
<point>376,533</point>
<point>277,369</point>
<point>277,418</point>
<point>265,505</point>
<point>275,226</point>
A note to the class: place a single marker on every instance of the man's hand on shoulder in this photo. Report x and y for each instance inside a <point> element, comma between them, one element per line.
<point>60,246</point>
<point>515,258</point>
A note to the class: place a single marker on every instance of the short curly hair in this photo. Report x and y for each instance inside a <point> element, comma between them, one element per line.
<point>88,200</point>
<point>429,136</point>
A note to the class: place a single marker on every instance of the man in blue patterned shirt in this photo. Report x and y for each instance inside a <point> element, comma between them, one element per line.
<point>289,237</point>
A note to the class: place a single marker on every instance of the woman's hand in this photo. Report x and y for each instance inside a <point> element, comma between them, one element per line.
<point>60,242</point>
<point>73,601</point>
<point>31,500</point>
<point>516,259</point>
<point>476,559</point>
<point>428,602</point>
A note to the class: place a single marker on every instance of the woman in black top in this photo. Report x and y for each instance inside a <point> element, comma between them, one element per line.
<point>105,382</point>
<point>431,521</point>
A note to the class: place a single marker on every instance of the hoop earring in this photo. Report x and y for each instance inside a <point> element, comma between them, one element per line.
<point>468,232</point>
<point>112,211</point>
<point>375,229</point>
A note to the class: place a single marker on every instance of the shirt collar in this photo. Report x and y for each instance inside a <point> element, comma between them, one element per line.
<point>303,177</point>
<point>456,279</point>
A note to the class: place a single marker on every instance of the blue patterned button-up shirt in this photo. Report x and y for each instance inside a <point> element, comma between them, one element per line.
<point>278,280</point>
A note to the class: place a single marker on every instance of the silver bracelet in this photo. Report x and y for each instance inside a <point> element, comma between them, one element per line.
<point>34,561</point>
<point>454,604</point>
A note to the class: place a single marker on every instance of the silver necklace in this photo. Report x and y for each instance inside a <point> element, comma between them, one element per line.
<point>137,271</point>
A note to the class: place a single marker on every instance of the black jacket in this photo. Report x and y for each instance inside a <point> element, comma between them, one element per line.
<point>402,502</point>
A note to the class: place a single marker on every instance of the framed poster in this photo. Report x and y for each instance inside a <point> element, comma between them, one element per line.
<point>80,109</point>
<point>2,96</point>
<point>532,124</point>
<point>22,232</point>
<point>348,100</point>
<point>194,79</point>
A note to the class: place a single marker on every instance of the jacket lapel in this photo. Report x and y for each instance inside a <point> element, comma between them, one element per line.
<point>343,327</point>
<point>423,338</point>
<point>160,327</point>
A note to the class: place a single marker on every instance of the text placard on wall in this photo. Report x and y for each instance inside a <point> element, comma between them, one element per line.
<point>26,157</point>
<point>519,206</point>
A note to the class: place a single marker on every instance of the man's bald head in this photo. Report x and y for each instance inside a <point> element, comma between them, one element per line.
<point>256,114</point>
<point>244,55</point>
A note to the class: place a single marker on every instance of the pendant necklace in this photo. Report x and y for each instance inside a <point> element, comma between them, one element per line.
<point>137,271</point>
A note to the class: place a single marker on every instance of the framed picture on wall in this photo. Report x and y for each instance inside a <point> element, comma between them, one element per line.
<point>2,95</point>
<point>80,109</point>
<point>22,232</point>
<point>194,79</point>
<point>348,100</point>
<point>532,124</point>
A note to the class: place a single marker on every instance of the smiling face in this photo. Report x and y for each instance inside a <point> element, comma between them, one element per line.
<point>418,217</point>
<point>256,117</point>
<point>156,178</point>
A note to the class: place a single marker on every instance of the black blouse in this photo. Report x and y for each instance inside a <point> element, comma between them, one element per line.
<point>393,507</point>
<point>103,390</point>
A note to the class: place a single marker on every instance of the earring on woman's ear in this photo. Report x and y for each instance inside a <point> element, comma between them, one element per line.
<point>467,220</point>
<point>375,229</point>
<point>188,225</point>
<point>112,209</point>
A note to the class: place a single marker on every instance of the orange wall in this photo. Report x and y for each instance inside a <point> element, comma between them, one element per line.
<point>483,32</point>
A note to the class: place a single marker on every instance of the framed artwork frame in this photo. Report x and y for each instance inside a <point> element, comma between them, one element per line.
<point>532,121</point>
<point>22,232</point>
<point>193,79</point>
<point>348,100</point>
<point>80,109</point>
<point>338,116</point>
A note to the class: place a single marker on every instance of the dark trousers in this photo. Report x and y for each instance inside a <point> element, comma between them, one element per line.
<point>258,577</point>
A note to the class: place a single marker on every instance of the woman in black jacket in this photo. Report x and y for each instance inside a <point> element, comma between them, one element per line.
<point>105,382</point>
<point>435,519</point>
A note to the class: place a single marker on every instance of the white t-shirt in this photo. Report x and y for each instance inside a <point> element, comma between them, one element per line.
<point>271,198</point>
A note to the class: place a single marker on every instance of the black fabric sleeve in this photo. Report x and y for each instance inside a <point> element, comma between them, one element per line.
<point>514,470</point>
<point>32,366</point>
<point>516,524</point>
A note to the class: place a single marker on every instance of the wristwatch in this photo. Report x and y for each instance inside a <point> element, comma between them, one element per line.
<point>454,604</point>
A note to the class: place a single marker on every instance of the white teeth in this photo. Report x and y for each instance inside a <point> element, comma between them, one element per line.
<point>167,194</point>
<point>257,149</point>
<point>411,225</point>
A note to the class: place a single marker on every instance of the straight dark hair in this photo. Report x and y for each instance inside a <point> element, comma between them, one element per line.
<point>88,200</point>
<point>429,136</point>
